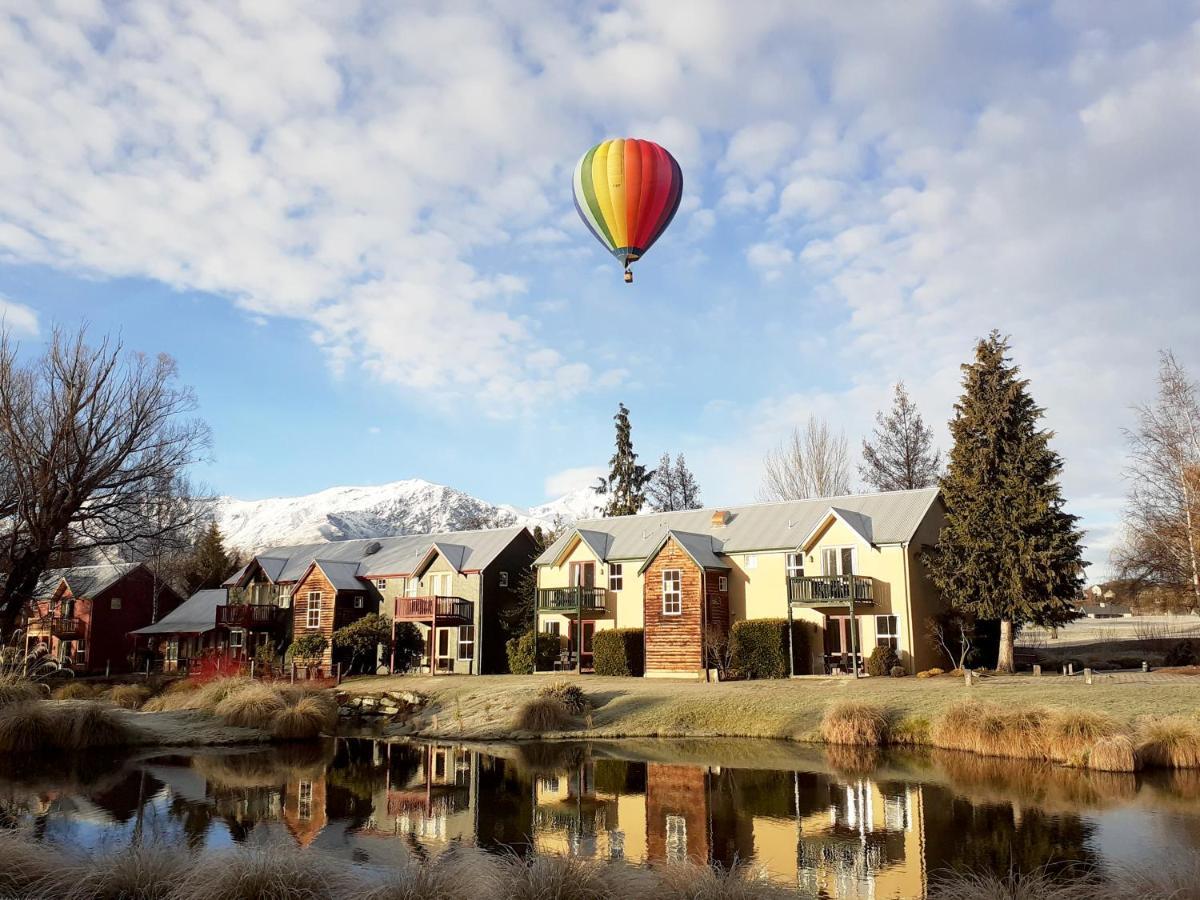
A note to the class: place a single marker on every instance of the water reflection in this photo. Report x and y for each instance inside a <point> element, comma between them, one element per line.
<point>837,824</point>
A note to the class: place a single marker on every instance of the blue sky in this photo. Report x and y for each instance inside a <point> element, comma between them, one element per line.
<point>352,223</point>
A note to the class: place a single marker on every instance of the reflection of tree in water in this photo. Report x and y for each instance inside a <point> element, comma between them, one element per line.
<point>123,797</point>
<point>194,818</point>
<point>359,769</point>
<point>505,805</point>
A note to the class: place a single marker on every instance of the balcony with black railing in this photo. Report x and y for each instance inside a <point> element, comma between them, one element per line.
<point>571,599</point>
<point>260,594</point>
<point>819,590</point>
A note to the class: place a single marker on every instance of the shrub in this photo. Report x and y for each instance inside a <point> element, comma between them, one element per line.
<point>1113,754</point>
<point>19,690</point>
<point>991,730</point>
<point>250,706</point>
<point>931,673</point>
<point>265,654</point>
<point>304,721</point>
<point>362,639</point>
<point>758,647</point>
<point>881,661</point>
<point>1172,742</point>
<point>854,722</point>
<point>87,726</point>
<point>911,731</point>
<point>24,728</point>
<point>520,652</point>
<point>1070,735</point>
<point>543,714</point>
<point>898,671</point>
<point>620,652</point>
<point>1181,654</point>
<point>129,696</point>
<point>310,649</point>
<point>569,694</point>
<point>76,690</point>
<point>409,647</point>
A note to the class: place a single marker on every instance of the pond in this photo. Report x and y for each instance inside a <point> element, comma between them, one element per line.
<point>839,823</point>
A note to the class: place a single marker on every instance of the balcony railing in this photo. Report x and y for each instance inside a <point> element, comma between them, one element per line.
<point>65,627</point>
<point>260,594</point>
<point>571,598</point>
<point>424,609</point>
<point>250,616</point>
<point>833,589</point>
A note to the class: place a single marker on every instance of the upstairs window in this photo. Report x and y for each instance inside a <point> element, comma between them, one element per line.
<point>751,561</point>
<point>616,576</point>
<point>672,592</point>
<point>503,579</point>
<point>381,584</point>
<point>795,565</point>
<point>722,582</point>
<point>313,620</point>
<point>358,601</point>
<point>114,603</point>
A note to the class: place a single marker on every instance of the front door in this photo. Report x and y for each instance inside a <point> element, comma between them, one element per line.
<point>838,642</point>
<point>583,574</point>
<point>445,662</point>
<point>588,630</point>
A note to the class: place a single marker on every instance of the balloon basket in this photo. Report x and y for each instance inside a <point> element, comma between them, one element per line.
<point>628,277</point>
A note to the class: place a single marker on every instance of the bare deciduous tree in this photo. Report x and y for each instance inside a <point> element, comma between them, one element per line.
<point>1161,546</point>
<point>88,438</point>
<point>901,455</point>
<point>672,486</point>
<point>814,462</point>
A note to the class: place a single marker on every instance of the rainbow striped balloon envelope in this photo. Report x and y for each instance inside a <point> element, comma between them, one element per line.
<point>627,191</point>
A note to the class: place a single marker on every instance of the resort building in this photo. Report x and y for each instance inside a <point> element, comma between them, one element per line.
<point>82,615</point>
<point>850,567</point>
<point>188,633</point>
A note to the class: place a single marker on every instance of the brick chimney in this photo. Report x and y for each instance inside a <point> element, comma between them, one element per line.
<point>720,518</point>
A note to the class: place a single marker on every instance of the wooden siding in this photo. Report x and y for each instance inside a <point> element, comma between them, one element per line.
<point>674,643</point>
<point>677,791</point>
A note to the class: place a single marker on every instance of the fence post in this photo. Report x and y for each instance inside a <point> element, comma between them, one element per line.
<point>293,671</point>
<point>339,673</point>
<point>252,662</point>
<point>1070,668</point>
<point>1087,676</point>
<point>107,668</point>
<point>1145,666</point>
<point>1037,669</point>
<point>147,668</point>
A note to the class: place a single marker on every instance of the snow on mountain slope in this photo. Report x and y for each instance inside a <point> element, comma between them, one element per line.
<point>412,506</point>
<point>581,503</point>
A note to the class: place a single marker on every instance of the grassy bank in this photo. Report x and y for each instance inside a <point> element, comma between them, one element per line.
<point>1063,719</point>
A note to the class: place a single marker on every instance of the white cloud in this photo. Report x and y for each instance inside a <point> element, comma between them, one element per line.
<point>572,479</point>
<point>21,320</point>
<point>769,258</point>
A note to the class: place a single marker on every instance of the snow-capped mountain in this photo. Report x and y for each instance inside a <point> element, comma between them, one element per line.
<point>412,506</point>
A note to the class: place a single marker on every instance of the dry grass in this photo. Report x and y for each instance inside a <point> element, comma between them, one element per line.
<point>450,875</point>
<point>19,690</point>
<point>542,714</point>
<point>249,705</point>
<point>141,873</point>
<point>1036,885</point>
<point>1071,735</point>
<point>911,731</point>
<point>24,728</point>
<point>129,696</point>
<point>76,690</point>
<point>854,722</point>
<point>87,725</point>
<point>1173,742</point>
<point>1114,753</point>
<point>569,694</point>
<point>991,730</point>
<point>304,721</point>
<point>29,867</point>
<point>260,873</point>
<point>568,878</point>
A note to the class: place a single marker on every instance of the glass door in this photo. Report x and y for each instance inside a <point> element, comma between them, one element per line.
<point>589,633</point>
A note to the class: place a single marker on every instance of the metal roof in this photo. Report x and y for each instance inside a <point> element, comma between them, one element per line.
<point>475,550</point>
<point>890,518</point>
<point>84,581</point>
<point>195,615</point>
<point>342,574</point>
<point>700,547</point>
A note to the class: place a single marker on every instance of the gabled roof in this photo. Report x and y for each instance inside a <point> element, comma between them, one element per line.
<point>698,546</point>
<point>894,517</point>
<point>596,541</point>
<point>400,555</point>
<point>342,574</point>
<point>196,615</point>
<point>856,521</point>
<point>84,581</point>
<point>455,554</point>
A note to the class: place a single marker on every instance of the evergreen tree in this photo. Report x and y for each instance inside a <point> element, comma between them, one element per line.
<point>210,564</point>
<point>901,456</point>
<point>625,486</point>
<point>672,486</point>
<point>1007,550</point>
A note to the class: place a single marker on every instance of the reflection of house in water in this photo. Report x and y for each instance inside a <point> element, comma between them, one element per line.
<point>304,808</point>
<point>431,792</point>
<point>593,809</point>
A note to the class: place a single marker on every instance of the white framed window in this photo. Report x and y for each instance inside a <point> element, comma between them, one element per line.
<point>237,639</point>
<point>80,647</point>
<point>722,582</point>
<point>313,613</point>
<point>114,603</point>
<point>887,632</point>
<point>751,561</point>
<point>672,592</point>
<point>552,627</point>
<point>676,839</point>
<point>358,601</point>
<point>466,641</point>
<point>304,797</point>
<point>503,579</point>
<point>616,576</point>
<point>839,561</point>
<point>381,584</point>
<point>795,565</point>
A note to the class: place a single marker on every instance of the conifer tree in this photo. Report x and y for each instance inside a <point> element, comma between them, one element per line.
<point>673,486</point>
<point>625,486</point>
<point>1007,550</point>
<point>900,456</point>
<point>210,564</point>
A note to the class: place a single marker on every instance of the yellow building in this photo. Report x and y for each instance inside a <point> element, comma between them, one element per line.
<point>849,567</point>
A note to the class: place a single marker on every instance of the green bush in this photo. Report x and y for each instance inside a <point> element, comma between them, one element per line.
<point>881,661</point>
<point>520,652</point>
<point>758,648</point>
<point>309,648</point>
<point>1181,654</point>
<point>619,652</point>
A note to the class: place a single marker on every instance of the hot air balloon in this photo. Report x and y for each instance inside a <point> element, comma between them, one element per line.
<point>627,191</point>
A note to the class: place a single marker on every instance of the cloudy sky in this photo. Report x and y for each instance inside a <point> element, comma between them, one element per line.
<point>352,223</point>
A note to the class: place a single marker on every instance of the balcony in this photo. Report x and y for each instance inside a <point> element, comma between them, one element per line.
<point>831,590</point>
<point>448,610</point>
<point>260,594</point>
<point>65,627</point>
<point>570,599</point>
<point>250,616</point>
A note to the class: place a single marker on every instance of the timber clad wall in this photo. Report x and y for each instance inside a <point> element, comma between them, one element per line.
<point>673,643</point>
<point>316,581</point>
<point>676,813</point>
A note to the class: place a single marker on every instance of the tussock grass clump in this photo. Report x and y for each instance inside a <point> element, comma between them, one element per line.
<point>992,730</point>
<point>144,873</point>
<point>570,878</point>
<point>30,869</point>
<point>85,726</point>
<point>304,721</point>
<point>24,728</point>
<point>19,690</point>
<point>76,690</point>
<point>129,696</point>
<point>1172,742</point>
<point>569,694</point>
<point>543,714</point>
<point>1114,753</point>
<point>851,761</point>
<point>931,673</point>
<point>1036,885</point>
<point>699,882</point>
<point>911,731</point>
<point>249,705</point>
<point>245,874</point>
<point>1071,734</point>
<point>854,722</point>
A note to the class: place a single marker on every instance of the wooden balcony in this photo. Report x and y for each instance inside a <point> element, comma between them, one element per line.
<point>570,599</point>
<point>447,610</point>
<point>831,590</point>
<point>260,594</point>
<point>65,627</point>
<point>245,615</point>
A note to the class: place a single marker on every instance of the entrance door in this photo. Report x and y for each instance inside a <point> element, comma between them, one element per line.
<point>838,560</point>
<point>442,584</point>
<point>589,633</point>
<point>445,662</point>
<point>583,574</point>
<point>838,644</point>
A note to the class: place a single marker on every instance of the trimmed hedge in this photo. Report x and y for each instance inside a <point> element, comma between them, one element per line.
<point>619,651</point>
<point>881,661</point>
<point>520,652</point>
<point>759,647</point>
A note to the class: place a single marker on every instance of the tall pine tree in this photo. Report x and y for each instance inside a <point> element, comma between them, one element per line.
<point>209,564</point>
<point>625,486</point>
<point>900,456</point>
<point>1007,551</point>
